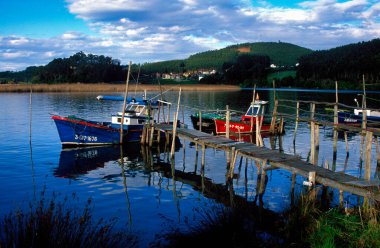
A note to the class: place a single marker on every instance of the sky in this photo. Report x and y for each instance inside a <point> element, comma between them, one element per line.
<point>34,32</point>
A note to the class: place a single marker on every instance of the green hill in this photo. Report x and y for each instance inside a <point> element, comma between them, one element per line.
<point>280,53</point>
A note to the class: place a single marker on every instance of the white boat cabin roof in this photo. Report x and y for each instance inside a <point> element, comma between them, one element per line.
<point>258,107</point>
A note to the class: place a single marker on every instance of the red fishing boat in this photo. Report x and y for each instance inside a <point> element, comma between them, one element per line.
<point>250,122</point>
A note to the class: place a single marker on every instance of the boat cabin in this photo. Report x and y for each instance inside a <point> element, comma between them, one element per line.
<point>255,109</point>
<point>137,112</point>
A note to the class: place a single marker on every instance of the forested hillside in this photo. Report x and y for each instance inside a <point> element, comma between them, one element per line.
<point>280,54</point>
<point>346,64</point>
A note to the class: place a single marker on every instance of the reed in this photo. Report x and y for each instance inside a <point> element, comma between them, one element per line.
<point>51,223</point>
<point>103,87</point>
<point>308,225</point>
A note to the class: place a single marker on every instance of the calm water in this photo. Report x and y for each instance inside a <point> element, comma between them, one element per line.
<point>142,194</point>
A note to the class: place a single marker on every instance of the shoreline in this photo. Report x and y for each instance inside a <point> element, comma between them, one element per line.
<point>102,87</point>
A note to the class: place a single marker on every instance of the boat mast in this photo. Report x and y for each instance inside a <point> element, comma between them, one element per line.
<point>125,102</point>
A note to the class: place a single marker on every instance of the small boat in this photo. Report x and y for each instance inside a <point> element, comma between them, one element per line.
<point>207,120</point>
<point>74,131</point>
<point>356,118</point>
<point>247,123</point>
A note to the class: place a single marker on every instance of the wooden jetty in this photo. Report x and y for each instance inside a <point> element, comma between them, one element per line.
<point>315,174</point>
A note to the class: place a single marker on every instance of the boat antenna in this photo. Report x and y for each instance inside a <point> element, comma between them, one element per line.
<point>125,102</point>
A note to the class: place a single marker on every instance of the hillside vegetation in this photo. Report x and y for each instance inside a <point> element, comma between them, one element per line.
<point>346,64</point>
<point>279,53</point>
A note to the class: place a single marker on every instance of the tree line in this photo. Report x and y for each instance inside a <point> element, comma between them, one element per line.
<point>243,64</point>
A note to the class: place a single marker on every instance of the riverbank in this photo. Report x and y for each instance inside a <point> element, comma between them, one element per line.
<point>111,87</point>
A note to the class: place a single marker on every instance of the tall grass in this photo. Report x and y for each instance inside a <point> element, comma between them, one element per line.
<point>308,225</point>
<point>50,223</point>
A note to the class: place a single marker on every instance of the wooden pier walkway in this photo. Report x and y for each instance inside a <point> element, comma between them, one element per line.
<point>341,181</point>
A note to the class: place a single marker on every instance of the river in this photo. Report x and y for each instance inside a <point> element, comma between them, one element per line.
<point>143,196</point>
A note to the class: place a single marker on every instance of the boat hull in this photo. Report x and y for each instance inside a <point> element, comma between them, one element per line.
<point>79,132</point>
<point>208,124</point>
<point>356,120</point>
<point>243,127</point>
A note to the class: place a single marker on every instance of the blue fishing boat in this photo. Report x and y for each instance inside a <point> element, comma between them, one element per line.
<point>356,118</point>
<point>74,131</point>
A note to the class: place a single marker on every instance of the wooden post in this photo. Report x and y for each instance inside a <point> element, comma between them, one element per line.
<point>142,141</point>
<point>317,137</point>
<point>151,136</point>
<point>364,105</point>
<point>296,125</point>
<point>125,103</point>
<point>274,117</point>
<point>281,127</point>
<point>175,124</point>
<point>346,141</point>
<point>368,149</point>
<point>232,166</point>
<point>312,133</point>
<point>312,176</point>
<point>203,156</point>
<point>257,130</point>
<point>227,122</point>
<point>253,103</point>
<point>335,135</point>
<point>200,120</point>
<point>196,158</point>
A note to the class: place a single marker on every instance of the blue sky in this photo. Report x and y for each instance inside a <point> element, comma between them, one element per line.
<point>34,32</point>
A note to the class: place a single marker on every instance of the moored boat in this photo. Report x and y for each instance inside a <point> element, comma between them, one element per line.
<point>206,120</point>
<point>356,118</point>
<point>248,122</point>
<point>74,131</point>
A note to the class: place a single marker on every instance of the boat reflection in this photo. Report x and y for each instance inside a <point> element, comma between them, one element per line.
<point>74,162</point>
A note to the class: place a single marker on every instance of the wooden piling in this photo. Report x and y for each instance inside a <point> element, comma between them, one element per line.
<point>227,122</point>
<point>200,120</point>
<point>274,118</point>
<point>297,120</point>
<point>253,103</point>
<point>151,136</point>
<point>335,135</point>
<point>175,124</point>
<point>317,137</point>
<point>312,133</point>
<point>367,172</point>
<point>346,142</point>
<point>203,156</point>
<point>142,141</point>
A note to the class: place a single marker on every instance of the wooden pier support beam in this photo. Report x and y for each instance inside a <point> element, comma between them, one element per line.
<point>274,118</point>
<point>368,149</point>
<point>175,121</point>
<point>346,142</point>
<point>227,122</point>
<point>200,120</point>
<point>296,124</point>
